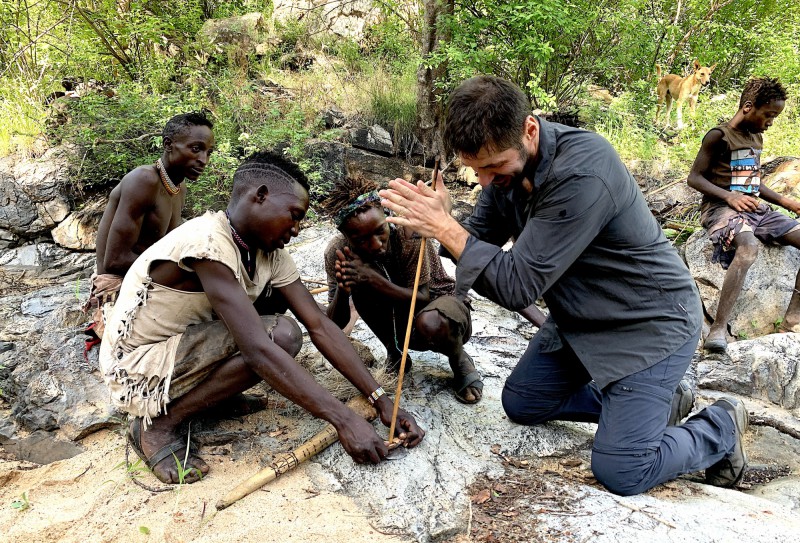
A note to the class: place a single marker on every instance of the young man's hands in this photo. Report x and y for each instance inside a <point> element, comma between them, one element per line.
<point>351,271</point>
<point>741,202</point>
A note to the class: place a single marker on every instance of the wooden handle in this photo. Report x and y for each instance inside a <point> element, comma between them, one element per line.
<point>288,461</point>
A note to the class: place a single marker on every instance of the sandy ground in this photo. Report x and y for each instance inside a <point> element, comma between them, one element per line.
<point>89,498</point>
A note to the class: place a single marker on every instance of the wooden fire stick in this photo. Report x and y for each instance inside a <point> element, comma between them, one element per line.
<point>414,292</point>
<point>291,460</point>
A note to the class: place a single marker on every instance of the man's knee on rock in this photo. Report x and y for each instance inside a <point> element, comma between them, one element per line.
<point>619,474</point>
<point>287,335</point>
<point>525,411</point>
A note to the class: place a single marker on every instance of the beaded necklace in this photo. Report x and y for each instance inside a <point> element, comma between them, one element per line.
<point>249,260</point>
<point>171,187</point>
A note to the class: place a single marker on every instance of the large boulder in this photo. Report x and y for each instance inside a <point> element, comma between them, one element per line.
<point>375,138</point>
<point>783,176</point>
<point>79,229</point>
<point>766,291</point>
<point>765,368</point>
<point>33,195</point>
<point>46,379</point>
<point>348,18</point>
<point>242,32</point>
<point>338,160</point>
<point>39,264</point>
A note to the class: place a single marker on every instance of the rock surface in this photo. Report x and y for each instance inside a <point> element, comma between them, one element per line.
<point>33,195</point>
<point>766,290</point>
<point>423,495</point>
<point>79,229</point>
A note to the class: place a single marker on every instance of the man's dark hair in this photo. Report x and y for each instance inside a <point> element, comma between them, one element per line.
<point>761,91</point>
<point>266,168</point>
<point>179,123</point>
<point>485,111</point>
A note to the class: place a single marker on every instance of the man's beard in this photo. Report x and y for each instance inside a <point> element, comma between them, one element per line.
<point>516,179</point>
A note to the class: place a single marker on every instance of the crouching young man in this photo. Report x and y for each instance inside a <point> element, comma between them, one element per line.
<point>184,334</point>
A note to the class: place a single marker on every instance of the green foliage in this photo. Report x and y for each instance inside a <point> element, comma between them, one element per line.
<point>21,115</point>
<point>551,48</point>
<point>21,503</point>
<point>393,102</point>
<point>144,530</point>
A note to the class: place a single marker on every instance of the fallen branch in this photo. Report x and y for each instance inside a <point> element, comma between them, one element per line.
<point>137,138</point>
<point>782,427</point>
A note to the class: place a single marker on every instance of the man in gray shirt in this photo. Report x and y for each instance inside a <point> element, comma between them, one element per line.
<point>625,315</point>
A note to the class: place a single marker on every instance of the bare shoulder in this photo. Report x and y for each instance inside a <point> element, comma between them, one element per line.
<point>140,185</point>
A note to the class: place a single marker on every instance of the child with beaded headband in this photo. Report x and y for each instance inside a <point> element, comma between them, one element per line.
<point>374,264</point>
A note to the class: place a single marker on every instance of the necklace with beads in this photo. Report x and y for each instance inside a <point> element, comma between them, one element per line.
<point>171,187</point>
<point>249,261</point>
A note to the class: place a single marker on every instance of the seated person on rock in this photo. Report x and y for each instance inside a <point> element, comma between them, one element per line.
<point>727,172</point>
<point>184,335</point>
<point>375,263</point>
<point>144,206</point>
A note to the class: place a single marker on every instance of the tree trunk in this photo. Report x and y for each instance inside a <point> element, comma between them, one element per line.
<point>429,107</point>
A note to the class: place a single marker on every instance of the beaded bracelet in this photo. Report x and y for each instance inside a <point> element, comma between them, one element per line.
<point>375,395</point>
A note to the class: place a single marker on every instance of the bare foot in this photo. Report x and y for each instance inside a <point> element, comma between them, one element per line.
<point>716,341</point>
<point>162,445</point>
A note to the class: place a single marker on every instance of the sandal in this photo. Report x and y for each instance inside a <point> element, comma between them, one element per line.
<point>461,384</point>
<point>134,437</point>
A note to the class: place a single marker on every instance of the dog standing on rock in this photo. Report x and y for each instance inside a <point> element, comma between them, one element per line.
<point>680,89</point>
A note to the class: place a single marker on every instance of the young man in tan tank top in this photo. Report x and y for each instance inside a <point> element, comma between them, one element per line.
<point>727,172</point>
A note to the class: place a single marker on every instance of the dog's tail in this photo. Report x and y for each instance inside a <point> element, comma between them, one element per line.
<point>658,70</point>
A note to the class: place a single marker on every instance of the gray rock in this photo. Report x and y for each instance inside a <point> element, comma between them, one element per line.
<point>51,385</point>
<point>766,290</point>
<point>242,32</point>
<point>41,448</point>
<point>79,229</point>
<point>39,264</point>
<point>764,368</point>
<point>375,138</point>
<point>33,195</point>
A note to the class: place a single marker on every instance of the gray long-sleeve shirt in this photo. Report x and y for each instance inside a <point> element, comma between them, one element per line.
<point>586,242</point>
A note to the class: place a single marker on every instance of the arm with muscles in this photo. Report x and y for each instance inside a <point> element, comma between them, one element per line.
<point>135,201</point>
<point>277,368</point>
<point>352,272</point>
<point>713,145</point>
<point>332,343</point>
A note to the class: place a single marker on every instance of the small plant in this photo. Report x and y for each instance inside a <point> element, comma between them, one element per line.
<point>777,324</point>
<point>742,335</point>
<point>21,503</point>
<point>144,530</point>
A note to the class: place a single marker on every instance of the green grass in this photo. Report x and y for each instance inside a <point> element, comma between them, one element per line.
<point>21,116</point>
<point>628,123</point>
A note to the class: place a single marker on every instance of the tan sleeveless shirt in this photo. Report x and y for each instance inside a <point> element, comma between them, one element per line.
<point>137,355</point>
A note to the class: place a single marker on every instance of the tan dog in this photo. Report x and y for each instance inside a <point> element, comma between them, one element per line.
<point>674,87</point>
